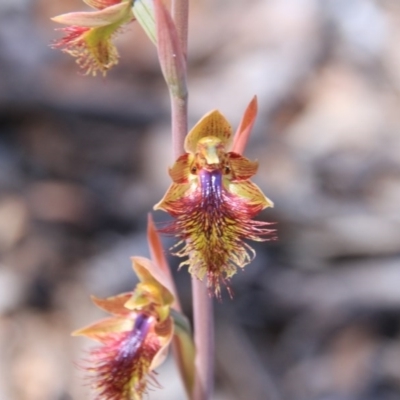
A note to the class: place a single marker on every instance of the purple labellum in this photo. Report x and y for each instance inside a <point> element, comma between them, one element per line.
<point>135,338</point>
<point>211,189</point>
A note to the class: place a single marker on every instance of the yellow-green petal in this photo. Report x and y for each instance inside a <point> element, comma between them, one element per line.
<point>175,192</point>
<point>150,274</point>
<point>212,124</point>
<point>114,305</point>
<point>242,168</point>
<point>251,192</point>
<point>101,329</point>
<point>180,171</point>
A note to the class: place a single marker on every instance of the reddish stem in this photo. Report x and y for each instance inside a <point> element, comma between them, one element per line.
<point>202,305</point>
<point>204,340</point>
<point>179,124</point>
<point>180,15</point>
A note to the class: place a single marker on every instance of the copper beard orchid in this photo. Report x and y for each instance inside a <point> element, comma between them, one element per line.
<point>88,38</point>
<point>135,340</point>
<point>213,203</point>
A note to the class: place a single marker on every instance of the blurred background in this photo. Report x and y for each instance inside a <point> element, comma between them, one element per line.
<point>316,316</point>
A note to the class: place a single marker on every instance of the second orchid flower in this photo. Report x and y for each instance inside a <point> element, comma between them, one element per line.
<point>88,36</point>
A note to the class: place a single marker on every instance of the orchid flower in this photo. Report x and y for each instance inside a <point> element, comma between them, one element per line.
<point>88,36</point>
<point>213,201</point>
<point>135,339</point>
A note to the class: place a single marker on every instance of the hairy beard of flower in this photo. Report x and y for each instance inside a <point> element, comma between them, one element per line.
<point>92,47</point>
<point>120,366</point>
<point>88,36</point>
<point>213,224</point>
